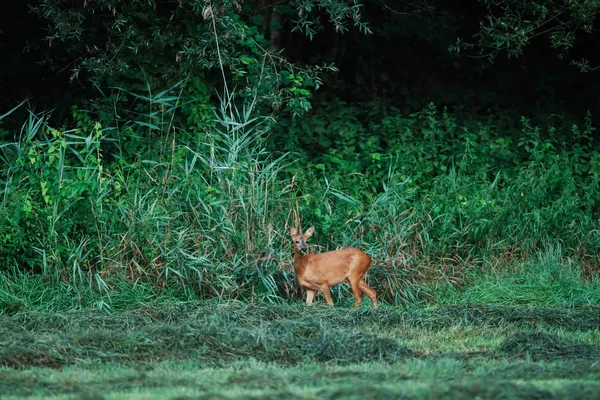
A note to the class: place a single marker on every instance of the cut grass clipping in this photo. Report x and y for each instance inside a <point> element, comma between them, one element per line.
<point>235,350</point>
<point>218,336</point>
<point>287,335</point>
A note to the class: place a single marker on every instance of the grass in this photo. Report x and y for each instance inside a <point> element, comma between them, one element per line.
<point>165,271</point>
<point>548,278</point>
<point>236,350</point>
<point>414,379</point>
<point>206,214</point>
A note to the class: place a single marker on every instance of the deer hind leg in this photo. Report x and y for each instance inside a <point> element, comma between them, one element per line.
<point>327,294</point>
<point>369,292</point>
<point>310,295</point>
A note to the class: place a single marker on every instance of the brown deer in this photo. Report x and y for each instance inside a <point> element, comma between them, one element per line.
<point>320,271</point>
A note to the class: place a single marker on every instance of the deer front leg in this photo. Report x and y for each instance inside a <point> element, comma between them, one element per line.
<point>310,295</point>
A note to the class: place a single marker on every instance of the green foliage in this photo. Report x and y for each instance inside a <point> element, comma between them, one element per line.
<point>467,181</point>
<point>54,189</point>
<point>144,45</point>
<point>510,28</point>
<point>339,13</point>
<point>198,108</point>
<point>199,207</point>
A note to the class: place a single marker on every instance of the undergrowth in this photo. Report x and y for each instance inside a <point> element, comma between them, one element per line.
<point>450,209</point>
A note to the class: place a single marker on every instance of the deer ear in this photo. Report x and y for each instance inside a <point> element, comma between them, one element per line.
<point>309,232</point>
<point>293,231</point>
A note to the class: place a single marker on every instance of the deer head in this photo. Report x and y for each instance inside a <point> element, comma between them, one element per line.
<point>299,239</point>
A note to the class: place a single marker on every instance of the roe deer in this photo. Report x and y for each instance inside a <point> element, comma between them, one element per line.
<point>320,271</point>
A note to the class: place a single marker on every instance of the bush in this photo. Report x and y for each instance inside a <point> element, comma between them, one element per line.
<point>433,197</point>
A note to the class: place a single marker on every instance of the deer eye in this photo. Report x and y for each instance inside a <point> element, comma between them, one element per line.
<point>297,242</point>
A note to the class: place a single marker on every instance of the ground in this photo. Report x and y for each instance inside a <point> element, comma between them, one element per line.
<point>232,350</point>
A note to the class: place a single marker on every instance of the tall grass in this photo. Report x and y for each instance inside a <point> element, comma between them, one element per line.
<point>547,278</point>
<point>149,208</point>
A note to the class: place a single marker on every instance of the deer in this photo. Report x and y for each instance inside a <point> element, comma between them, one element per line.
<point>321,271</point>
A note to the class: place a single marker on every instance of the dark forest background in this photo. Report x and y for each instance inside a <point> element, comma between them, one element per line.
<point>55,50</point>
<point>173,142</point>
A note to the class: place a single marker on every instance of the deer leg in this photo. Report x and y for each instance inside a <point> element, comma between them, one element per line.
<point>369,292</point>
<point>355,285</point>
<point>310,295</point>
<point>327,294</point>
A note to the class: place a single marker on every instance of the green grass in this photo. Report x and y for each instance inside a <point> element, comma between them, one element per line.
<point>548,278</point>
<point>443,378</point>
<point>236,350</point>
<point>166,271</point>
<point>206,214</point>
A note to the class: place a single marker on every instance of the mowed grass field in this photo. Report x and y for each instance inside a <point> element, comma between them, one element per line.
<point>232,350</point>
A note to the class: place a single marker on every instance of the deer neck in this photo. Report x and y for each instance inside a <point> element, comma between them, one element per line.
<point>300,262</point>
